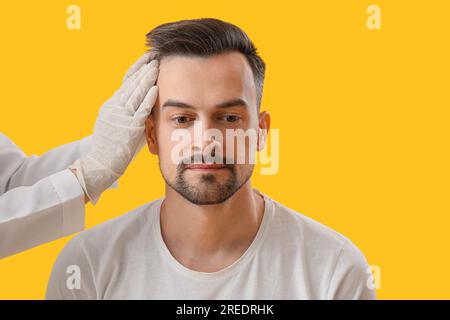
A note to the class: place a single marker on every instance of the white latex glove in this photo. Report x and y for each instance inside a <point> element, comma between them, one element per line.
<point>119,129</point>
<point>145,58</point>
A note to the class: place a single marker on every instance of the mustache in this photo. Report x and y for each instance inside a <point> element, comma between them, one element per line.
<point>201,159</point>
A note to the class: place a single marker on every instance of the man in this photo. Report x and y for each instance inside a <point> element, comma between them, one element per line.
<point>212,236</point>
<point>43,198</point>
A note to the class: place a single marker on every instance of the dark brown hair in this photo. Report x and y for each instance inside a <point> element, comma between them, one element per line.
<point>206,37</point>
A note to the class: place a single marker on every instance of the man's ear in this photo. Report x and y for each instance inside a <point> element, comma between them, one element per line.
<point>150,134</point>
<point>263,130</point>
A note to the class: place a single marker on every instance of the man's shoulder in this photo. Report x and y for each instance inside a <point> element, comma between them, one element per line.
<point>125,227</point>
<point>326,251</point>
<point>311,233</point>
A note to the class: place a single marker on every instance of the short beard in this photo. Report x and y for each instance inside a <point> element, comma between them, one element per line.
<point>208,190</point>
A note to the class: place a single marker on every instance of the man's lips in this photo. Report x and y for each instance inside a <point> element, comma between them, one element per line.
<point>206,166</point>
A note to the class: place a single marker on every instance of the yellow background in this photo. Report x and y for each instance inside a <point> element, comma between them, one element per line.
<point>363,117</point>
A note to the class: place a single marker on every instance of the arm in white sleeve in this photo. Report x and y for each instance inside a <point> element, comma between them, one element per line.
<point>32,215</point>
<point>17,169</point>
<point>22,170</point>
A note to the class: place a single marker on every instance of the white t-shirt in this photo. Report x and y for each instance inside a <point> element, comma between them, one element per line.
<point>291,257</point>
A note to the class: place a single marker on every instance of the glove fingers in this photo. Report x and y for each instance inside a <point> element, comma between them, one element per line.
<point>113,109</point>
<point>146,107</point>
<point>125,142</point>
<point>118,99</point>
<point>131,84</point>
<point>144,59</point>
<point>132,78</point>
<point>118,119</point>
<point>139,147</point>
<point>138,95</point>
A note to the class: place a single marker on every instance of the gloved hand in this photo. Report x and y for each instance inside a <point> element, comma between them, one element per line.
<point>119,129</point>
<point>145,58</point>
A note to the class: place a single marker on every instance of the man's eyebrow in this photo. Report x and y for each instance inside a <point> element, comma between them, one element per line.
<point>177,104</point>
<point>238,102</point>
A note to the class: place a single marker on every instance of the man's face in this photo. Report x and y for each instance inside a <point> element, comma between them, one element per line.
<point>197,94</point>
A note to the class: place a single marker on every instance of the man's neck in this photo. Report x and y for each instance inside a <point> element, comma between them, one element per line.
<point>210,237</point>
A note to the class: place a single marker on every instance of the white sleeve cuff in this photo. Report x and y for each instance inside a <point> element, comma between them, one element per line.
<point>71,195</point>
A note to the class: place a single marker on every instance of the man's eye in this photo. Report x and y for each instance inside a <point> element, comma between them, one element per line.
<point>181,119</point>
<point>230,118</point>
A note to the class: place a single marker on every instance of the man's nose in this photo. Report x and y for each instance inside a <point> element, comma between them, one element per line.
<point>205,140</point>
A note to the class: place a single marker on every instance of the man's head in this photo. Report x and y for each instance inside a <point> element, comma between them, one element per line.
<point>209,75</point>
<point>204,38</point>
